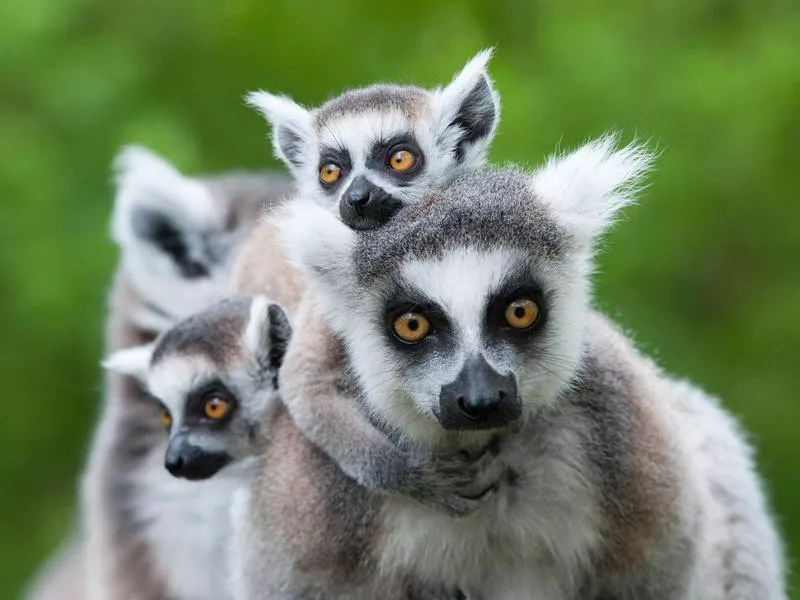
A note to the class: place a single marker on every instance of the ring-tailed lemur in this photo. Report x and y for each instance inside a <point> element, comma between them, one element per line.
<point>466,321</point>
<point>214,378</point>
<point>360,135</point>
<point>178,236</point>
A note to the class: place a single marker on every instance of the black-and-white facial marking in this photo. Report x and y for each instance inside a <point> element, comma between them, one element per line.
<point>369,151</point>
<point>466,310</point>
<point>215,377</point>
<point>178,234</point>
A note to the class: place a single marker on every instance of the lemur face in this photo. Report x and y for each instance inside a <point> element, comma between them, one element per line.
<point>467,311</point>
<point>369,152</point>
<point>214,375</point>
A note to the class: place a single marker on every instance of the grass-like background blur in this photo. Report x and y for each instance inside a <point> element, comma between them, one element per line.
<point>705,270</point>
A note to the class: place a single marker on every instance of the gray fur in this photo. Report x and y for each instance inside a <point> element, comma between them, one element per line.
<point>617,482</point>
<point>215,333</point>
<point>418,234</point>
<point>380,98</point>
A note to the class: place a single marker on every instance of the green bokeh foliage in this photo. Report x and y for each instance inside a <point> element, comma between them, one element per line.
<point>704,270</point>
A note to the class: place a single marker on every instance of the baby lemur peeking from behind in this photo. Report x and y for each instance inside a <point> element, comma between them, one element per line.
<point>364,155</point>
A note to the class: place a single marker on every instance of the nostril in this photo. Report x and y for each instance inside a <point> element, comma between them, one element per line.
<point>475,409</point>
<point>175,464</point>
<point>501,395</point>
<point>358,198</point>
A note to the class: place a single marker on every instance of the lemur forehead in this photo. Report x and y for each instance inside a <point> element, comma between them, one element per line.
<point>484,209</point>
<point>177,375</point>
<point>215,334</point>
<point>408,100</point>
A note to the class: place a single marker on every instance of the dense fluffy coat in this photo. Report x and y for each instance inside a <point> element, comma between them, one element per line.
<point>617,481</point>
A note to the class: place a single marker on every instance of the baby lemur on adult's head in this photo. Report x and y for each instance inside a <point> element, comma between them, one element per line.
<point>466,321</point>
<point>369,151</point>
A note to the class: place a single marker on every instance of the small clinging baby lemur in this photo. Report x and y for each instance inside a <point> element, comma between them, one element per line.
<point>369,151</point>
<point>466,323</point>
<point>364,155</point>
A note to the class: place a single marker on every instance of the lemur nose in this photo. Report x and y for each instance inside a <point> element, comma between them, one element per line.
<point>479,398</point>
<point>183,459</point>
<point>358,196</point>
<point>365,205</point>
<point>173,462</point>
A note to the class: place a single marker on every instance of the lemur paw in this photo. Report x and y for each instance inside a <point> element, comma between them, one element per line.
<point>457,484</point>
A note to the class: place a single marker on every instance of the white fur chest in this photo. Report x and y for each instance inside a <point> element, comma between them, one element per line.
<point>532,540</point>
<point>188,528</point>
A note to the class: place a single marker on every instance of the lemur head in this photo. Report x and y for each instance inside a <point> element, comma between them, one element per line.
<point>215,377</point>
<point>467,311</point>
<point>370,151</point>
<point>178,234</point>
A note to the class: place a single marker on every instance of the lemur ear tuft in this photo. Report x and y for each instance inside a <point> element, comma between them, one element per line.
<point>469,111</point>
<point>292,131</point>
<point>588,187</point>
<point>130,361</point>
<point>160,216</point>
<point>268,333</point>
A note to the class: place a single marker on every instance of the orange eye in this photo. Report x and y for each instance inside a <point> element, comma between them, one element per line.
<point>329,173</point>
<point>411,327</point>
<point>522,313</point>
<point>166,419</point>
<point>402,160</point>
<point>215,408</point>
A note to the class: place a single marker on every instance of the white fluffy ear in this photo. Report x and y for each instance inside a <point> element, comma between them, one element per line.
<point>587,188</point>
<point>469,111</point>
<point>292,131</point>
<point>317,243</point>
<point>147,182</point>
<point>268,333</point>
<point>130,361</point>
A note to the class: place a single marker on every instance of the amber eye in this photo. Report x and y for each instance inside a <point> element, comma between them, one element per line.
<point>166,419</point>
<point>402,160</point>
<point>216,408</point>
<point>411,327</point>
<point>522,313</point>
<point>329,173</point>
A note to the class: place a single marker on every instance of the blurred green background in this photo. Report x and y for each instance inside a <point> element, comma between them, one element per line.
<point>704,271</point>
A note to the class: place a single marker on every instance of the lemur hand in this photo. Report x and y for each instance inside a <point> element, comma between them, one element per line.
<point>457,483</point>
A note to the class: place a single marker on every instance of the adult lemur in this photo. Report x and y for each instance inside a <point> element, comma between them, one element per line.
<point>466,323</point>
<point>178,236</point>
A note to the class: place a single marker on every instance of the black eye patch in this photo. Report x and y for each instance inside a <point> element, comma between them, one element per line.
<point>381,152</point>
<point>518,286</point>
<point>196,400</point>
<point>341,158</point>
